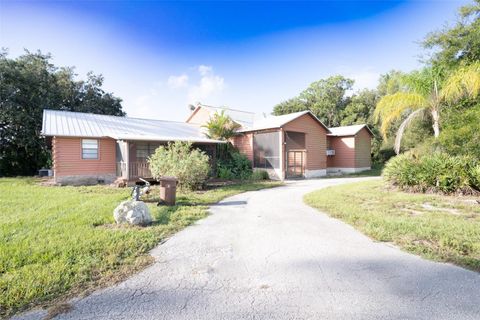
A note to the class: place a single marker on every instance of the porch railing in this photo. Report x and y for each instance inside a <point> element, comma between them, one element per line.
<point>139,169</point>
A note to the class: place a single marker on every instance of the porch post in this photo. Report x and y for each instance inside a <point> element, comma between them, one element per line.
<point>282,155</point>
<point>127,160</point>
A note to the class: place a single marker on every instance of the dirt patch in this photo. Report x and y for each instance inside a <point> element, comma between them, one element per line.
<point>471,201</point>
<point>428,206</point>
<point>58,309</point>
<point>46,182</point>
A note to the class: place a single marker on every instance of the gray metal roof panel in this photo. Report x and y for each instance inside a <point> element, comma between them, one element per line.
<point>348,130</point>
<point>77,124</point>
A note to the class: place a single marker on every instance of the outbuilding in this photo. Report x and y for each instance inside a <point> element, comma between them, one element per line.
<point>349,149</point>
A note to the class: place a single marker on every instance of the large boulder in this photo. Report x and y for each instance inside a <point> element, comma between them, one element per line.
<point>132,212</point>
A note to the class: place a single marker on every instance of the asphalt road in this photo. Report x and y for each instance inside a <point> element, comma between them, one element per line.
<point>266,255</point>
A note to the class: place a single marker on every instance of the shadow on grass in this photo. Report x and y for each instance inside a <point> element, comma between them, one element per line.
<point>376,171</point>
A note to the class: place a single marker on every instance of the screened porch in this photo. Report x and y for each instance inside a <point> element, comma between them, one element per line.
<point>132,157</point>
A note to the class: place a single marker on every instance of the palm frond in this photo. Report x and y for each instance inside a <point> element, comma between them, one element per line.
<point>392,107</point>
<point>220,126</point>
<point>403,126</point>
<point>464,82</point>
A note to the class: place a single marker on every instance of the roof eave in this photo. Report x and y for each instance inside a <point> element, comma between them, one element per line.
<point>312,115</point>
<point>193,113</point>
<point>368,129</point>
<point>162,139</point>
<point>258,129</point>
<point>341,135</point>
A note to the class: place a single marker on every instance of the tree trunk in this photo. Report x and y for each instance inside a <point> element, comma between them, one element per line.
<point>436,123</point>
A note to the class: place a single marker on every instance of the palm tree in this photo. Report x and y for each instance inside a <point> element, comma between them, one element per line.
<point>221,127</point>
<point>425,91</point>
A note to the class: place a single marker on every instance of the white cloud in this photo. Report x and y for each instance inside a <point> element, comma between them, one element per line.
<point>202,83</point>
<point>199,84</point>
<point>204,70</point>
<point>209,84</point>
<point>176,82</point>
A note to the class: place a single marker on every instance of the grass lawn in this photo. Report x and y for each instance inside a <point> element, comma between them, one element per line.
<point>441,228</point>
<point>59,241</point>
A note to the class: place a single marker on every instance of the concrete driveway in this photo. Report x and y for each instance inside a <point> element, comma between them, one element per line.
<point>266,255</point>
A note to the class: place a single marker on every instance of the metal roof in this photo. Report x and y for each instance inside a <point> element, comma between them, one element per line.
<point>243,118</point>
<point>272,122</point>
<point>77,124</point>
<point>348,130</point>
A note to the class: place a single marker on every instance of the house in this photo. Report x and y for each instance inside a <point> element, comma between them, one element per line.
<point>297,144</point>
<point>92,148</point>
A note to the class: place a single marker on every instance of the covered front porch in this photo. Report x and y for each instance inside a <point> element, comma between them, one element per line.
<point>132,157</point>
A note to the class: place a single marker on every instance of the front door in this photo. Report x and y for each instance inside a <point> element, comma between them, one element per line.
<point>295,163</point>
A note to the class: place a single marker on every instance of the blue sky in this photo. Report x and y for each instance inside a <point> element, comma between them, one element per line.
<point>161,56</point>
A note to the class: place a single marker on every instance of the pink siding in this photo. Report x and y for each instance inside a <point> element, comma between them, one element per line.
<point>344,152</point>
<point>244,144</point>
<point>350,151</point>
<point>199,116</point>
<point>67,157</point>
<point>363,149</point>
<point>315,140</point>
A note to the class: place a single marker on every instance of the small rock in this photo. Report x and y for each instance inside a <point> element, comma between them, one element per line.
<point>132,212</point>
<point>119,183</point>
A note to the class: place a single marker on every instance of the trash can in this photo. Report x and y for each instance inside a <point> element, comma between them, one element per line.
<point>168,190</point>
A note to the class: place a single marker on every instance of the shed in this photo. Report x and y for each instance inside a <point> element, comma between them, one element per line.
<point>349,149</point>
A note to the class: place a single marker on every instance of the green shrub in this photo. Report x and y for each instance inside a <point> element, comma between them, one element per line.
<point>383,155</point>
<point>260,175</point>
<point>436,172</point>
<point>475,176</point>
<point>234,166</point>
<point>189,165</point>
<point>402,170</point>
<point>224,173</point>
<point>460,133</point>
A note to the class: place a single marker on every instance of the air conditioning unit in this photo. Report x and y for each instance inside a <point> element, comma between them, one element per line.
<point>331,152</point>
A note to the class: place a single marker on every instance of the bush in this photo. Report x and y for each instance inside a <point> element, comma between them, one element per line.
<point>460,133</point>
<point>260,175</point>
<point>234,166</point>
<point>189,165</point>
<point>475,177</point>
<point>383,154</point>
<point>437,172</point>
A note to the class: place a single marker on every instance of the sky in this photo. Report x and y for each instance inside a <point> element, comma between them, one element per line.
<point>159,56</point>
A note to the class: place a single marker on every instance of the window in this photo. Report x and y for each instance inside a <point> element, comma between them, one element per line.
<point>89,149</point>
<point>142,151</point>
<point>145,150</point>
<point>266,150</point>
<point>295,140</point>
